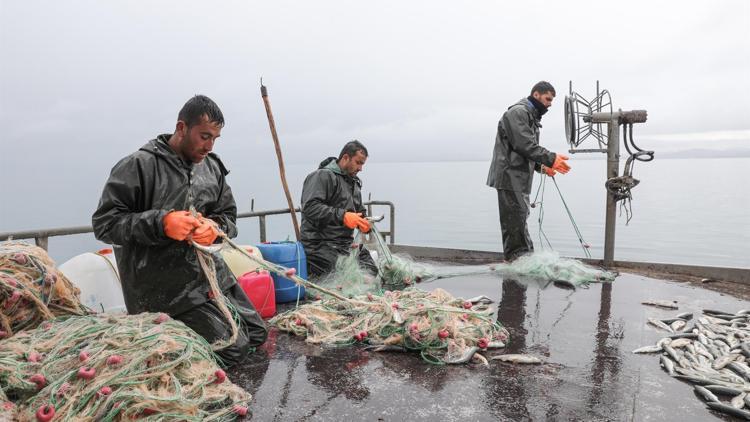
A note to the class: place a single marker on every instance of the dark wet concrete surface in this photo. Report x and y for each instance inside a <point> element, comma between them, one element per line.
<point>585,336</point>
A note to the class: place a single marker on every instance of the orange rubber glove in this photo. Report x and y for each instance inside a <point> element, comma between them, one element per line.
<point>206,233</point>
<point>550,172</point>
<point>179,224</point>
<point>560,163</point>
<point>354,220</point>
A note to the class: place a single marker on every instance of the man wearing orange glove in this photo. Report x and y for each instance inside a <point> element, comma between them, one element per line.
<point>517,154</point>
<point>331,210</point>
<point>146,211</point>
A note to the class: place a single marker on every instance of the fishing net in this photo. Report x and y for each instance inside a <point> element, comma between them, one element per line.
<point>399,271</point>
<point>443,329</point>
<point>106,368</point>
<point>32,289</point>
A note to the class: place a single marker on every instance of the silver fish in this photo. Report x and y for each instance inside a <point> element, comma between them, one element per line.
<point>518,358</point>
<point>659,324</point>
<point>385,348</point>
<point>478,358</point>
<point>721,407</point>
<point>667,364</point>
<point>672,353</point>
<point>722,361</point>
<point>480,299</point>
<point>707,395</point>
<point>685,315</point>
<point>648,349</point>
<point>723,390</point>
<point>397,318</point>
<point>667,304</point>
<point>466,356</point>
<point>496,344</point>
<point>678,325</point>
<point>680,342</point>
<point>664,342</point>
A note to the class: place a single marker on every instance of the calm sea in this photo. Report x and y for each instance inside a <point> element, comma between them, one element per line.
<point>692,211</point>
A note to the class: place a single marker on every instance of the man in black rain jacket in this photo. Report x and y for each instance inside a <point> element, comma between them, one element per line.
<point>331,210</point>
<point>517,154</point>
<point>144,212</point>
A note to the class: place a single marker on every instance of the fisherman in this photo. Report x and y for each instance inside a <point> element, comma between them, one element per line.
<point>331,210</point>
<point>516,155</point>
<point>145,211</point>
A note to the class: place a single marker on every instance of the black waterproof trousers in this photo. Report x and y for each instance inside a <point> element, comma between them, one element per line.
<point>208,321</point>
<point>514,211</point>
<point>321,259</point>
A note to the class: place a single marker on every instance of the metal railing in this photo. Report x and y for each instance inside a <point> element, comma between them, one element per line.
<point>41,237</point>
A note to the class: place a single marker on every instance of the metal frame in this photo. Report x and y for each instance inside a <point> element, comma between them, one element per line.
<point>41,237</point>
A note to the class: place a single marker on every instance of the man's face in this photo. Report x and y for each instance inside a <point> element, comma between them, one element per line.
<point>352,165</point>
<point>545,99</point>
<point>197,141</point>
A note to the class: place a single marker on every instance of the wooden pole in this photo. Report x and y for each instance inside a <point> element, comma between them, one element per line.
<point>279,156</point>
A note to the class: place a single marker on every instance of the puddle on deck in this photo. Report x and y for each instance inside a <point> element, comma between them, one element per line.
<point>586,336</point>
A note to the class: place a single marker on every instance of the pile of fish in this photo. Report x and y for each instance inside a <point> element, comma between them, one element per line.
<point>713,353</point>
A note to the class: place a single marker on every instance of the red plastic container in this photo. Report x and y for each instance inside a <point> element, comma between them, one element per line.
<point>258,286</point>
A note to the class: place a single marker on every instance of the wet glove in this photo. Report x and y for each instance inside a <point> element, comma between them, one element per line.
<point>355,220</point>
<point>206,233</point>
<point>550,172</point>
<point>179,224</point>
<point>560,163</point>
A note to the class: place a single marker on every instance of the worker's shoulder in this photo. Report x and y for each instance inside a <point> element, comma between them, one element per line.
<point>213,160</point>
<point>518,109</point>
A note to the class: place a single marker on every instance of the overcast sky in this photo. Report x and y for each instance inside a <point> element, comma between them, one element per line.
<point>413,80</point>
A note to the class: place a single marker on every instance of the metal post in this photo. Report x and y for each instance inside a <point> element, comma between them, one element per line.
<point>613,169</point>
<point>42,242</point>
<point>262,222</point>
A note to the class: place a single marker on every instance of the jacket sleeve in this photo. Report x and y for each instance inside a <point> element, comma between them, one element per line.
<point>119,220</point>
<point>522,137</point>
<point>315,193</point>
<point>224,213</point>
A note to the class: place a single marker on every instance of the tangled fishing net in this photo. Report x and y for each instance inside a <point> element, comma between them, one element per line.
<point>443,329</point>
<point>32,289</point>
<point>107,368</point>
<point>399,271</point>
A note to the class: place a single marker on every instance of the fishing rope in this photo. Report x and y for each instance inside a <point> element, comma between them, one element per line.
<point>585,246</point>
<point>208,265</point>
<point>540,218</point>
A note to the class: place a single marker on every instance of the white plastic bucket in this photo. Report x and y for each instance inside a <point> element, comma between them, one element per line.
<point>96,275</point>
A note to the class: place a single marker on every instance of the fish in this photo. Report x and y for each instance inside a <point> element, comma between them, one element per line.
<point>648,349</point>
<point>517,358</point>
<point>672,353</point>
<point>466,356</point>
<point>384,348</point>
<point>707,395</point>
<point>480,299</point>
<point>667,364</point>
<point>664,342</point>
<point>722,361</point>
<point>685,315</point>
<point>694,379</point>
<point>724,408</point>
<point>659,324</point>
<point>723,390</point>
<point>397,318</point>
<point>495,344</point>
<point>565,284</point>
<point>684,335</point>
<point>667,304</point>
<point>745,349</point>
<point>678,325</point>
<point>480,359</point>
<point>680,342</point>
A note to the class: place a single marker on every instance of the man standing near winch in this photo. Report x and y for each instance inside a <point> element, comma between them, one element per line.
<point>156,201</point>
<point>331,210</point>
<point>517,154</point>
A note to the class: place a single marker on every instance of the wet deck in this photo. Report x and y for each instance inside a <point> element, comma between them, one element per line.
<point>586,336</point>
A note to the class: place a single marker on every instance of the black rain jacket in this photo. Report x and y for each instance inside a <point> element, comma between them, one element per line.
<point>327,194</point>
<point>517,152</point>
<point>160,274</point>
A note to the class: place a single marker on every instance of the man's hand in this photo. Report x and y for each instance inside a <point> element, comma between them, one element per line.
<point>206,233</point>
<point>179,224</point>
<point>560,163</point>
<point>355,220</point>
<point>550,172</point>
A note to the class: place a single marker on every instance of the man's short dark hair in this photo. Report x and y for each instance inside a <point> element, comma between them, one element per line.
<point>193,111</point>
<point>543,87</point>
<point>351,149</point>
